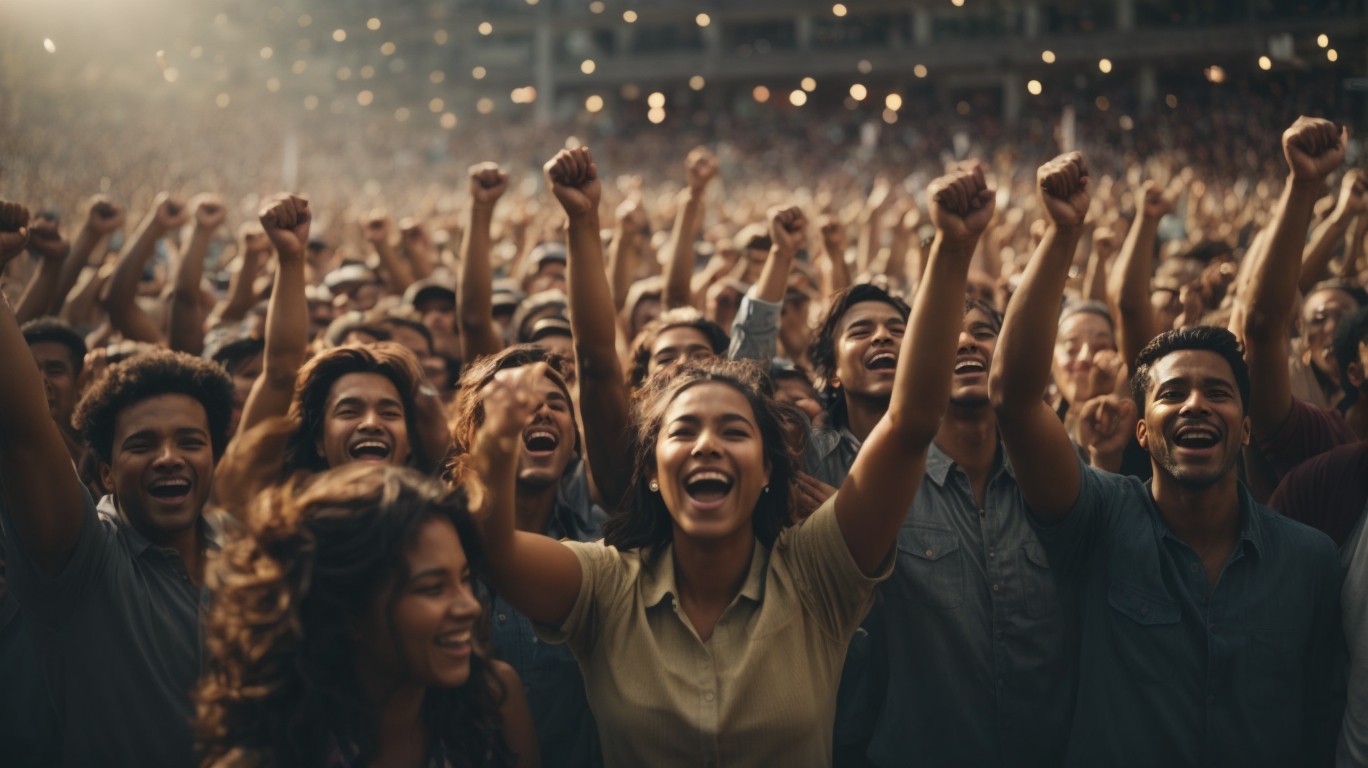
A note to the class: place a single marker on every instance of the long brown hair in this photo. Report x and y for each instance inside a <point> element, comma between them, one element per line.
<point>280,680</point>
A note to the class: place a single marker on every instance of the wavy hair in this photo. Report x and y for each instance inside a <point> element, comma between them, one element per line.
<point>679,317</point>
<point>822,351</point>
<point>280,681</point>
<point>644,522</point>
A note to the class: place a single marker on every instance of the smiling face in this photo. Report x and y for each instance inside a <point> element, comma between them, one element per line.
<point>978,338</point>
<point>162,464</point>
<point>1081,336</point>
<point>424,638</point>
<point>710,462</point>
<point>1321,314</point>
<point>677,345</point>
<point>363,420</point>
<point>1194,424</point>
<point>59,373</point>
<point>868,340</point>
<point>549,439</point>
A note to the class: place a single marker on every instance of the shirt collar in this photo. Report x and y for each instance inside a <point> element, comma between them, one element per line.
<point>210,534</point>
<point>659,580</point>
<point>939,463</point>
<point>1251,528</point>
<point>573,515</point>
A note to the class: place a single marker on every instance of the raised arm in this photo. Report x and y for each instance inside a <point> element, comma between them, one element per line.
<point>397,272</point>
<point>38,484</point>
<point>121,298</point>
<point>835,273</point>
<point>45,242</point>
<point>1037,444</point>
<point>255,247</point>
<point>1352,201</point>
<point>187,304</point>
<point>699,168</point>
<point>536,574</point>
<point>475,312</point>
<point>787,232</point>
<point>1128,286</point>
<point>286,219</point>
<point>622,251</point>
<point>102,218</point>
<point>603,399</point>
<point>868,243</point>
<point>416,247</point>
<point>888,470</point>
<point>1313,149</point>
<point>1099,260</point>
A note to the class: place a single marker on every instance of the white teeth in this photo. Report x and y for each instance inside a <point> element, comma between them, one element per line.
<point>454,638</point>
<point>370,444</point>
<point>173,482</point>
<point>709,475</point>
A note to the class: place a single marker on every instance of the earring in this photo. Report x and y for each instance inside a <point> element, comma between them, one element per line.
<point>767,489</point>
<point>654,486</point>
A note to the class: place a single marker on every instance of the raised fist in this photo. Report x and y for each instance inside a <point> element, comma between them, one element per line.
<point>487,183</point>
<point>171,212</point>
<point>1104,242</point>
<point>1353,196</point>
<point>104,216</point>
<point>573,178</point>
<point>961,204</point>
<point>1157,202</point>
<point>1065,190</point>
<point>45,240</point>
<point>509,406</point>
<point>14,230</point>
<point>412,234</point>
<point>209,212</point>
<point>787,228</point>
<point>377,227</point>
<point>1313,148</point>
<point>286,219</point>
<point>699,168</point>
<point>631,215</point>
<point>254,239</point>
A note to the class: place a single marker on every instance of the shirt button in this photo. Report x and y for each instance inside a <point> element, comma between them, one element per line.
<point>503,617</point>
<point>1193,567</point>
<point>707,697</point>
<point>930,553</point>
<point>992,553</point>
<point>997,587</point>
<point>980,513</point>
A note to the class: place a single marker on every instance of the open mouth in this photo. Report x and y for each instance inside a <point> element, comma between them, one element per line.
<point>708,486</point>
<point>886,360</point>
<point>456,643</point>
<point>967,365</point>
<point>540,441</point>
<point>169,489</point>
<point>370,450</point>
<point>1196,438</point>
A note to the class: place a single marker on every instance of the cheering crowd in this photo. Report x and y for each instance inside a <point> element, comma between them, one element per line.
<point>986,469</point>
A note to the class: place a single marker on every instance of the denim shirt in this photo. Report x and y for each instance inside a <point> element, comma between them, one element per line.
<point>1249,672</point>
<point>566,731</point>
<point>755,331</point>
<point>979,668</point>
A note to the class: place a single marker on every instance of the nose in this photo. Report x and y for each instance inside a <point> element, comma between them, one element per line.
<point>967,342</point>
<point>168,457</point>
<point>465,607</point>
<point>1195,405</point>
<point>370,421</point>
<point>882,334</point>
<point>706,444</point>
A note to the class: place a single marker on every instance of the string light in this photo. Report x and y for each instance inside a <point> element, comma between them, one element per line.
<point>858,92</point>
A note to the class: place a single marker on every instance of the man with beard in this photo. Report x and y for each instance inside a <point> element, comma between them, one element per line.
<point>112,599</point>
<point>1209,625</point>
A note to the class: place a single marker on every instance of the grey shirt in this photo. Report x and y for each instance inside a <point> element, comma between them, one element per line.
<point>978,661</point>
<point>755,331</point>
<point>118,635</point>
<point>1172,673</point>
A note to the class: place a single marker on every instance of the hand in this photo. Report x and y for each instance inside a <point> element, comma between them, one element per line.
<point>254,239</point>
<point>1156,202</point>
<point>631,216</point>
<point>487,184</point>
<point>1065,190</point>
<point>787,229</point>
<point>833,232</point>
<point>573,178</point>
<point>14,231</point>
<point>1105,426</point>
<point>171,212</point>
<point>209,212</point>
<point>508,407</point>
<point>1353,196</point>
<point>45,241</point>
<point>961,204</point>
<point>104,216</point>
<point>1108,371</point>
<point>377,228</point>
<point>810,494</point>
<point>412,234</point>
<point>878,195</point>
<point>1104,242</point>
<point>699,168</point>
<point>1313,148</point>
<point>286,219</point>
<point>1194,305</point>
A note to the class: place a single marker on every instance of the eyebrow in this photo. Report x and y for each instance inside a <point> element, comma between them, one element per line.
<point>689,418</point>
<point>355,400</point>
<point>1208,381</point>
<point>429,572</point>
<point>981,324</point>
<point>144,434</point>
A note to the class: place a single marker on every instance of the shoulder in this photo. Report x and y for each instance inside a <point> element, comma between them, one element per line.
<point>1299,541</point>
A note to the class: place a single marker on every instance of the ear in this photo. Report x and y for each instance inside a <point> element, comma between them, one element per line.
<point>107,477</point>
<point>1142,433</point>
<point>1245,430</point>
<point>318,448</point>
<point>1356,374</point>
<point>768,468</point>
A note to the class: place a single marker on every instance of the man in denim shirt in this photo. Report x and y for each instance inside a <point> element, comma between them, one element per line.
<point>1210,626</point>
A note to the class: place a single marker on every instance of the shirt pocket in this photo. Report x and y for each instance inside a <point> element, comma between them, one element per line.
<point>1037,583</point>
<point>1147,630</point>
<point>1272,670</point>
<point>934,566</point>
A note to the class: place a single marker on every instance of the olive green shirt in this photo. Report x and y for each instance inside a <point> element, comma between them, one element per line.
<point>760,692</point>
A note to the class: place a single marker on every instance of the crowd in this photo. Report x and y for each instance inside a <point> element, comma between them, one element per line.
<point>720,464</point>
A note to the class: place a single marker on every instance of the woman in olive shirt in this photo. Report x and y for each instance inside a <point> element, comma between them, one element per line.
<point>710,633</point>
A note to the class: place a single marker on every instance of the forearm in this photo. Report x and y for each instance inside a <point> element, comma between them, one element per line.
<point>867,242</point>
<point>921,389</point>
<point>79,310</point>
<point>1273,284</point>
<point>37,298</point>
<point>287,338</point>
<point>121,297</point>
<point>187,321</point>
<point>838,272</point>
<point>1315,262</point>
<point>1025,348</point>
<point>680,267</point>
<point>76,260</point>
<point>774,275</point>
<point>896,269</point>
<point>241,296</point>
<point>399,273</point>
<point>621,257</point>
<point>476,310</point>
<point>1128,287</point>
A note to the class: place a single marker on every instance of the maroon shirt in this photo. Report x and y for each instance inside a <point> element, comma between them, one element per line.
<point>1327,492</point>
<point>1309,431</point>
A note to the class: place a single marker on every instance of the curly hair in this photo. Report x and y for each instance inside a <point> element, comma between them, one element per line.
<point>468,414</point>
<point>148,375</point>
<point>822,351</point>
<point>644,521</point>
<point>280,680</point>
<point>316,379</point>
<point>680,317</point>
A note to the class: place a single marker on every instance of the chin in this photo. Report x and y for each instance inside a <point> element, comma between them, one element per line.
<point>971,398</point>
<point>537,479</point>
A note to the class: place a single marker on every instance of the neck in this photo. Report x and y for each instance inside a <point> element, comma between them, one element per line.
<point>186,543</point>
<point>534,507</point>
<point>401,735</point>
<point>968,434</point>
<point>1357,416</point>
<point>712,572</point>
<point>1199,517</point>
<point>863,413</point>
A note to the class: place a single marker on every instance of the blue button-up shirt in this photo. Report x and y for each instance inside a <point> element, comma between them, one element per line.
<point>1249,672</point>
<point>978,661</point>
<point>566,731</point>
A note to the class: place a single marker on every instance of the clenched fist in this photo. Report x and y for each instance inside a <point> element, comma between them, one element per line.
<point>377,227</point>
<point>14,232</point>
<point>787,229</point>
<point>46,241</point>
<point>1065,190</point>
<point>210,212</point>
<point>286,219</point>
<point>573,178</point>
<point>699,168</point>
<point>1313,148</point>
<point>171,212</point>
<point>961,204</point>
<point>103,216</point>
<point>487,183</point>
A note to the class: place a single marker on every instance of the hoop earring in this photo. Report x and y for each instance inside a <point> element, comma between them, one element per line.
<point>654,486</point>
